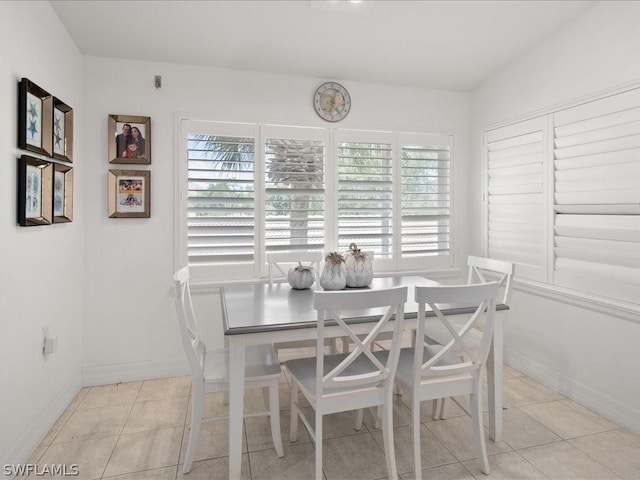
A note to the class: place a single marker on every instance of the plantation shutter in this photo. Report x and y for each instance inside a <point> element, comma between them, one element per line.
<point>597,197</point>
<point>425,197</point>
<point>220,196</point>
<point>294,184</point>
<point>516,227</point>
<point>365,192</point>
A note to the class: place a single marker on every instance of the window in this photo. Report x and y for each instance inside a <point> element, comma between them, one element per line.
<point>365,193</point>
<point>221,199</point>
<point>254,189</point>
<point>590,215</point>
<point>597,197</point>
<point>516,197</point>
<point>425,196</point>
<point>294,190</point>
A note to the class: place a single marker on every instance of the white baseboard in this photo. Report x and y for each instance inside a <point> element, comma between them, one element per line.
<point>600,402</point>
<point>25,445</point>
<point>133,372</point>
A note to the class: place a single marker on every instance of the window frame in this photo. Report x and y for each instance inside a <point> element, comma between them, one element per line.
<point>569,286</point>
<point>218,274</point>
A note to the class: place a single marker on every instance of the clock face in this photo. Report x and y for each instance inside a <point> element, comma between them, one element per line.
<point>332,101</point>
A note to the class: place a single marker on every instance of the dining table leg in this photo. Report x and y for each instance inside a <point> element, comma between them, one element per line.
<point>494,379</point>
<point>237,362</point>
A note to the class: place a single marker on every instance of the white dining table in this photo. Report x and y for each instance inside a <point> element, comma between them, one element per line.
<point>255,314</point>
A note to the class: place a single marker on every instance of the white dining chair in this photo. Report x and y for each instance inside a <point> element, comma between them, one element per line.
<point>209,371</point>
<point>349,381</point>
<point>279,264</point>
<point>430,371</point>
<point>480,270</point>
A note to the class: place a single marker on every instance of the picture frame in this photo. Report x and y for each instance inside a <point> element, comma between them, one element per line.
<point>35,118</point>
<point>62,131</point>
<point>35,183</point>
<point>125,145</point>
<point>62,193</point>
<point>129,193</point>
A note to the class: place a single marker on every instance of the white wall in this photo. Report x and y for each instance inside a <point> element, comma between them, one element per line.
<point>590,355</point>
<point>41,268</point>
<point>102,285</point>
<point>129,326</point>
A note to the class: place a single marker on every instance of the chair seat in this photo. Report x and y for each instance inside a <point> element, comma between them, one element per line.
<point>261,363</point>
<point>304,370</point>
<point>405,361</point>
<point>439,334</point>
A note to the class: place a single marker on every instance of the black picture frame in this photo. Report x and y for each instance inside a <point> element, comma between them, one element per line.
<point>62,131</point>
<point>35,118</point>
<point>35,185</point>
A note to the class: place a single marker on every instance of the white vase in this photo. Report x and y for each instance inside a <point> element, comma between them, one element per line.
<point>359,267</point>
<point>334,276</point>
<point>301,277</point>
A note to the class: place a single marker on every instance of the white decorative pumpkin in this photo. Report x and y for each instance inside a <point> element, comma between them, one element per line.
<point>301,277</point>
<point>334,273</point>
<point>359,266</point>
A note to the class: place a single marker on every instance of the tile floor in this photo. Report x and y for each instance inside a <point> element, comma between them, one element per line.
<point>138,431</point>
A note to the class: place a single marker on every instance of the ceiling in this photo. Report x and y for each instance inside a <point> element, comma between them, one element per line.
<point>453,45</point>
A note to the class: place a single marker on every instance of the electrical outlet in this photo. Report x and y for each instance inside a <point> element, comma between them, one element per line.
<point>45,334</point>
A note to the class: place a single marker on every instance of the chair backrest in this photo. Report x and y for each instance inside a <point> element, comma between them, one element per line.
<point>482,270</point>
<point>280,262</point>
<point>338,307</point>
<point>481,298</point>
<point>194,347</point>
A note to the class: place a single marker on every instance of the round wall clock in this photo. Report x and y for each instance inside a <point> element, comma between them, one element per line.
<point>332,101</point>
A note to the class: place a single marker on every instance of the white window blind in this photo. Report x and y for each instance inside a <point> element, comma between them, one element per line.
<point>365,192</point>
<point>597,197</point>
<point>425,195</point>
<point>220,199</point>
<point>247,189</point>
<point>516,220</point>
<point>294,190</point>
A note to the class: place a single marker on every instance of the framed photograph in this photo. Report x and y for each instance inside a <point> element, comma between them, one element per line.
<point>129,139</point>
<point>62,193</point>
<point>62,131</point>
<point>129,193</point>
<point>35,117</point>
<point>35,182</point>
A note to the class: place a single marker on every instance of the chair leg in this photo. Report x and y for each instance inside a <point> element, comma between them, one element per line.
<point>478,430</point>
<point>358,422</point>
<point>274,417</point>
<point>415,430</point>
<point>438,408</point>
<point>396,389</point>
<point>345,345</point>
<point>197,408</point>
<point>434,408</point>
<point>387,438</point>
<point>293,424</point>
<point>318,440</point>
